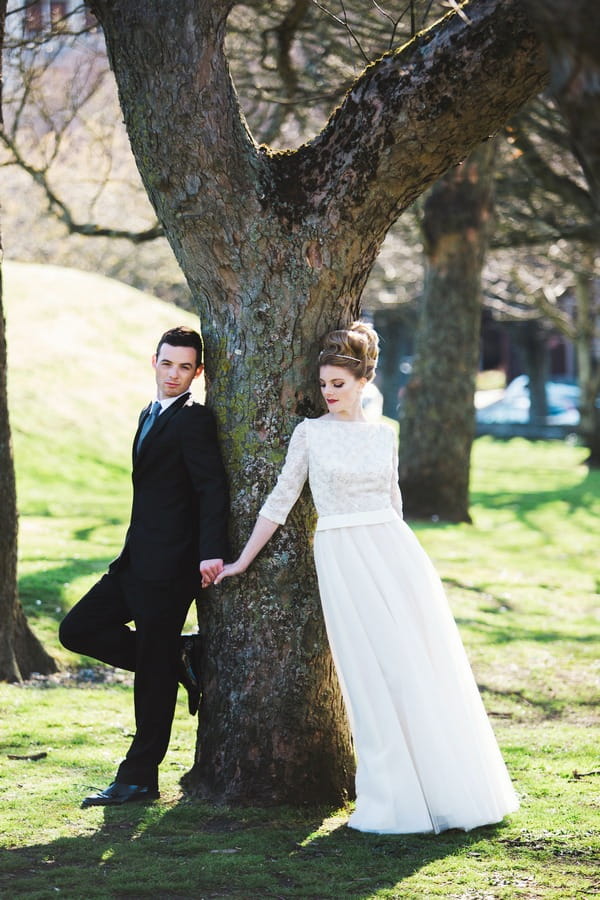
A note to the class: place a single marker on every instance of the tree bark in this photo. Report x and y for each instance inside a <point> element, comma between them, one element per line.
<point>437,424</point>
<point>276,248</point>
<point>21,653</point>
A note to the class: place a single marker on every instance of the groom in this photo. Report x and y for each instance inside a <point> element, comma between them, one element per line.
<point>176,542</point>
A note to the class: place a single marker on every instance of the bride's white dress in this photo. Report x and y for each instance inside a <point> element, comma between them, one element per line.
<point>427,758</point>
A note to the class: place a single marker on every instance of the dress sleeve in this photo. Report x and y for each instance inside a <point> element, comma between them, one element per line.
<point>291,480</point>
<point>396,496</point>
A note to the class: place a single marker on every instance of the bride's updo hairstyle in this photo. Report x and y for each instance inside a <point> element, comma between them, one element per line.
<point>355,348</point>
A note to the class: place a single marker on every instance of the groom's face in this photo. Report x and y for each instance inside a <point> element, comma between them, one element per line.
<point>175,369</point>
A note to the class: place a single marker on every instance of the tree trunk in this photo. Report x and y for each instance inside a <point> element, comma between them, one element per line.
<point>437,423</point>
<point>588,369</point>
<point>530,338</point>
<point>536,364</point>
<point>276,248</point>
<point>21,653</point>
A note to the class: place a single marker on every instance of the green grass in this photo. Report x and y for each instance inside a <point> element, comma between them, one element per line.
<point>523,582</point>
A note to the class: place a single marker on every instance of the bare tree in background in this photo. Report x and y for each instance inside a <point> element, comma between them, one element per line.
<point>437,423</point>
<point>570,29</point>
<point>545,251</point>
<point>21,653</point>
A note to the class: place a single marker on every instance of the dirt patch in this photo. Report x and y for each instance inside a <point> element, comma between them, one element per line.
<point>90,676</point>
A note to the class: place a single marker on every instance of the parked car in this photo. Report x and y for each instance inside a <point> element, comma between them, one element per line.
<point>513,406</point>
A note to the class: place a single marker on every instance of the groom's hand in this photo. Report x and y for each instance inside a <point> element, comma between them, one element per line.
<point>209,569</point>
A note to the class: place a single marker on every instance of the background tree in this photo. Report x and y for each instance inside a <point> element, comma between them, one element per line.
<point>543,198</point>
<point>21,654</point>
<point>569,29</point>
<point>276,248</point>
<point>545,254</point>
<point>437,423</point>
<point>68,168</point>
<point>534,294</point>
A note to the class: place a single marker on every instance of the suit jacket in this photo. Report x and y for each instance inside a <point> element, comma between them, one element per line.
<point>180,495</point>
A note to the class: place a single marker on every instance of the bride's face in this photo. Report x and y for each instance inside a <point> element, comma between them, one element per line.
<point>341,390</point>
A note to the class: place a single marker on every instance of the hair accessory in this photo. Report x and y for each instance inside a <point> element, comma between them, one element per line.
<point>337,355</point>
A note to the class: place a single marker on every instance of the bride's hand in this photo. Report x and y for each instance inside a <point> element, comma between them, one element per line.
<point>234,568</point>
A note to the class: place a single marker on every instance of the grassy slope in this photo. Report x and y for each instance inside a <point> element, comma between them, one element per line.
<point>523,581</point>
<point>79,349</point>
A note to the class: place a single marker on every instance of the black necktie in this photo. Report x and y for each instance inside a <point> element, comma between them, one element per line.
<point>148,423</point>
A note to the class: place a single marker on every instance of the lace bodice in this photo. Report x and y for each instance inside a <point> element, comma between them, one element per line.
<point>352,467</point>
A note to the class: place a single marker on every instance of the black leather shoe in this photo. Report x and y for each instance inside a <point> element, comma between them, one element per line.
<point>189,670</point>
<point>116,794</point>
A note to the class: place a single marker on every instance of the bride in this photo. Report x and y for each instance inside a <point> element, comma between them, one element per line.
<point>427,758</point>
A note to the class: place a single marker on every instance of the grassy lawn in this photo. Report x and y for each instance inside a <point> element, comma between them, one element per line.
<point>523,581</point>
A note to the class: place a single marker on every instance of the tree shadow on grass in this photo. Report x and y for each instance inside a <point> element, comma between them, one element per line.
<point>193,850</point>
<point>583,495</point>
<point>43,592</point>
<point>87,533</point>
<point>505,634</point>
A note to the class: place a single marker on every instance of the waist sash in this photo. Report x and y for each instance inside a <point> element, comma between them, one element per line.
<point>347,520</point>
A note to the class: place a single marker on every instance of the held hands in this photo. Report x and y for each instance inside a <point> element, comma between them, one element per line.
<point>263,530</point>
<point>209,569</point>
<point>213,571</point>
<point>234,568</point>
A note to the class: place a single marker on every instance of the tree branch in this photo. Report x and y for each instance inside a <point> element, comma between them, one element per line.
<point>410,116</point>
<point>544,175</point>
<point>345,24</point>
<point>512,237</point>
<point>62,211</point>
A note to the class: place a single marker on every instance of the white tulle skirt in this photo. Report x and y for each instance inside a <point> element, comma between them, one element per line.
<point>427,758</point>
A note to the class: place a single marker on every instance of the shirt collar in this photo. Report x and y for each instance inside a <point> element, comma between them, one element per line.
<point>169,401</point>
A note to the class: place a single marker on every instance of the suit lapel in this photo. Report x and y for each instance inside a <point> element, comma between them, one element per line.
<point>145,412</point>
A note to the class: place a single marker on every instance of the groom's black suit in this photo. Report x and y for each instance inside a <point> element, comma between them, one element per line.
<point>180,501</point>
<point>178,518</point>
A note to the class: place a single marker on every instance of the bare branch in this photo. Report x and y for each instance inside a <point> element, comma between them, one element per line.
<point>62,211</point>
<point>343,21</point>
<point>561,186</point>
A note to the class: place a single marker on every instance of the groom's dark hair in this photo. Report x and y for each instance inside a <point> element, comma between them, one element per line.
<point>181,336</point>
